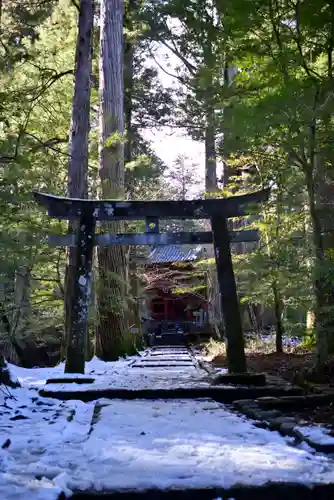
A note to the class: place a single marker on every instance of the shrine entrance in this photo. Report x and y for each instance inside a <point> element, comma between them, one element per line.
<point>167,307</point>
<point>88,212</point>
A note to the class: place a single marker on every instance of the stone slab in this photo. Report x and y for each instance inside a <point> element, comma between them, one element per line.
<point>258,379</point>
<point>264,411</point>
<point>70,380</point>
<point>273,491</point>
<point>219,394</point>
<point>161,364</point>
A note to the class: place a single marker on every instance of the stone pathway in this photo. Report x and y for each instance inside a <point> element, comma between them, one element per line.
<point>160,372</point>
<point>155,427</point>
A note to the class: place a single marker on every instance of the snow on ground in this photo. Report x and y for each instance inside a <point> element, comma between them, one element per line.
<point>195,444</point>
<point>30,429</point>
<point>316,434</point>
<point>36,377</point>
<point>48,446</point>
<point>120,375</point>
<point>140,444</point>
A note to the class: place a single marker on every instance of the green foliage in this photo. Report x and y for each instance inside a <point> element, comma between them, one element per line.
<point>35,105</point>
<point>259,73</point>
<point>37,61</point>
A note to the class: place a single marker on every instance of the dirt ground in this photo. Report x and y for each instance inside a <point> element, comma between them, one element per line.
<point>297,369</point>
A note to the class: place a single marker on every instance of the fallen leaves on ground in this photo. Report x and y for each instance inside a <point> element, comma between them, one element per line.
<point>296,368</point>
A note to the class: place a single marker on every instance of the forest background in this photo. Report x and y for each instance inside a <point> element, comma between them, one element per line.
<point>250,83</point>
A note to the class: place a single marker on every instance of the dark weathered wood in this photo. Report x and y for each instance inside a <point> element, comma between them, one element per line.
<point>78,326</point>
<point>235,346</point>
<point>69,209</point>
<point>153,238</point>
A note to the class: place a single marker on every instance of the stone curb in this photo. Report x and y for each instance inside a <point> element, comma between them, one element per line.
<point>206,366</point>
<point>221,394</point>
<point>266,414</point>
<point>261,379</point>
<point>244,379</point>
<point>71,380</point>
<point>270,491</point>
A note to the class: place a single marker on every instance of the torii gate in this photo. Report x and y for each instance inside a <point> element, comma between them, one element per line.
<point>89,211</point>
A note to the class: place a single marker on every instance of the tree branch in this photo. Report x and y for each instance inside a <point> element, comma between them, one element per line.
<point>179,78</point>
<point>47,144</point>
<point>50,82</point>
<point>76,5</point>
<point>190,67</point>
<point>310,72</point>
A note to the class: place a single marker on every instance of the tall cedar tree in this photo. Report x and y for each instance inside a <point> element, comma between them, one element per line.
<point>78,155</point>
<point>112,331</point>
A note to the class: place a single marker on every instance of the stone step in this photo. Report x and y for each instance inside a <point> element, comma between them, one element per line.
<point>164,365</point>
<point>165,359</point>
<point>169,347</point>
<point>161,364</point>
<point>168,353</point>
<point>273,491</point>
<point>226,394</point>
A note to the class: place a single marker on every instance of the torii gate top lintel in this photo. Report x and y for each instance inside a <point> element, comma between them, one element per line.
<point>73,208</point>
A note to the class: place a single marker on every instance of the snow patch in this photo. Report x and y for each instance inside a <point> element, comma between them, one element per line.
<point>316,434</point>
<point>144,444</point>
<point>118,375</point>
<point>82,281</point>
<point>113,445</point>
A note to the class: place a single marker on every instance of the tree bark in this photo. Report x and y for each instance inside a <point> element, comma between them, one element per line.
<point>320,284</point>
<point>112,334</point>
<point>77,184</point>
<point>131,6</point>
<point>22,314</point>
<point>318,280</point>
<point>210,154</point>
<point>128,79</point>
<point>278,317</point>
<point>214,303</point>
<point>5,377</point>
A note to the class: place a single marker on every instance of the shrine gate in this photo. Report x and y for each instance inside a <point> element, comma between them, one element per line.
<point>87,212</point>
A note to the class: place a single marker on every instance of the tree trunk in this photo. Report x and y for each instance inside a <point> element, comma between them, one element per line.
<point>278,317</point>
<point>310,320</point>
<point>214,303</point>
<point>77,185</point>
<point>5,377</point>
<point>128,79</point>
<point>319,279</point>
<point>20,324</point>
<point>112,334</point>
<point>134,292</point>
<point>131,6</point>
<point>253,316</point>
<point>210,154</point>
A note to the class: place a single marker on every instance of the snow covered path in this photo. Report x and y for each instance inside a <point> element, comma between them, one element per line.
<point>141,372</point>
<point>49,446</point>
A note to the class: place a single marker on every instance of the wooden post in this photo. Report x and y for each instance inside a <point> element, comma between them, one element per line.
<point>235,345</point>
<point>78,327</point>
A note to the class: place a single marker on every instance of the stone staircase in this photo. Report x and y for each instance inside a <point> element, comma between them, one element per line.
<point>169,357</point>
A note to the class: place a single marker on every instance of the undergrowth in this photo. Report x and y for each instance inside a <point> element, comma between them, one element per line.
<point>216,348</point>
